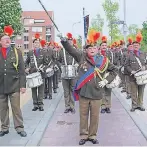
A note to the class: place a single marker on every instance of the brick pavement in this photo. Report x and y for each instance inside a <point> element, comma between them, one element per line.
<point>34,122</point>
<point>140,118</point>
<point>115,129</point>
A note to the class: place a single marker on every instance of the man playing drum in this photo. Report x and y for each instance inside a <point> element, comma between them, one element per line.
<point>90,84</point>
<point>136,62</point>
<point>35,62</point>
<point>68,83</point>
<point>106,101</point>
<point>12,82</point>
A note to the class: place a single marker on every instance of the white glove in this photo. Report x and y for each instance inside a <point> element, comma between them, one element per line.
<point>103,83</point>
<point>61,37</point>
<point>133,72</point>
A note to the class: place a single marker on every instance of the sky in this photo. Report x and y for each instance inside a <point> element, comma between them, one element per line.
<point>69,12</point>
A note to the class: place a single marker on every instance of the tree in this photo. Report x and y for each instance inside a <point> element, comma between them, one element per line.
<point>79,42</point>
<point>133,30</point>
<point>144,34</point>
<point>10,14</point>
<point>97,23</point>
<point>111,9</point>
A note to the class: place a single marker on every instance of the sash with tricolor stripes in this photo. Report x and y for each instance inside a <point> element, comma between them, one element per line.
<point>100,67</point>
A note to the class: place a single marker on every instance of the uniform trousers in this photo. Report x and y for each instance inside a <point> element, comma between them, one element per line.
<point>89,107</point>
<point>16,111</point>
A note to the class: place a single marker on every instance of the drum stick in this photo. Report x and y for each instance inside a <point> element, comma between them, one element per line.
<point>136,71</point>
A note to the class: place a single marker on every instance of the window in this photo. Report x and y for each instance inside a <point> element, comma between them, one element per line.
<point>39,21</point>
<point>36,29</point>
<point>48,30</point>
<point>26,38</point>
<point>26,46</point>
<point>27,21</point>
<point>26,29</point>
<point>48,38</point>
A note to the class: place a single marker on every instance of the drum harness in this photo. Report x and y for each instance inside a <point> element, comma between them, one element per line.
<point>65,58</point>
<point>139,65</point>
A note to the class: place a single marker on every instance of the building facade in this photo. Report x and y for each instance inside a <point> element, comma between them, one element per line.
<point>35,21</point>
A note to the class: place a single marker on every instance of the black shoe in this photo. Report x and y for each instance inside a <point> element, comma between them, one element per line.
<point>2,133</point>
<point>94,141</point>
<point>133,109</point>
<point>123,91</point>
<point>103,110</point>
<point>66,110</point>
<point>45,97</point>
<point>73,111</point>
<point>50,97</point>
<point>82,141</point>
<point>128,97</point>
<point>35,109</point>
<point>41,109</point>
<point>55,90</point>
<point>108,110</point>
<point>22,133</point>
<point>141,108</point>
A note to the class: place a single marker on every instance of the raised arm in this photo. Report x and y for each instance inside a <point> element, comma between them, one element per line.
<point>75,53</point>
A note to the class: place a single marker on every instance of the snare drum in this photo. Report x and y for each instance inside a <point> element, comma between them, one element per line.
<point>34,80</point>
<point>49,72</point>
<point>69,72</point>
<point>114,83</point>
<point>141,77</point>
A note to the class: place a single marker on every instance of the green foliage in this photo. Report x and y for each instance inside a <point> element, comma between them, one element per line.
<point>144,34</point>
<point>10,14</point>
<point>97,23</point>
<point>79,42</point>
<point>111,8</point>
<point>133,30</point>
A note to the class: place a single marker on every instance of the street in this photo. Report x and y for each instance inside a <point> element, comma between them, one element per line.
<point>54,128</point>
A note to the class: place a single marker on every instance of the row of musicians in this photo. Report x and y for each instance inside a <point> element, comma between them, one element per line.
<point>48,57</point>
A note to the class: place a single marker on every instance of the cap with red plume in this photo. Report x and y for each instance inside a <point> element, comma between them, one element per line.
<point>139,38</point>
<point>37,36</point>
<point>8,30</point>
<point>130,41</point>
<point>122,42</point>
<point>69,36</point>
<point>104,39</point>
<point>92,38</point>
<point>43,43</point>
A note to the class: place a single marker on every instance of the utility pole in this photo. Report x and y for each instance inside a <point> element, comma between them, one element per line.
<point>125,25</point>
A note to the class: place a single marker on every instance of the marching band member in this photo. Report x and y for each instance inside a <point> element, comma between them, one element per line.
<point>90,84</point>
<point>106,100</point>
<point>124,70</point>
<point>68,84</point>
<point>12,82</point>
<point>48,80</point>
<point>34,62</point>
<point>56,67</point>
<point>136,62</point>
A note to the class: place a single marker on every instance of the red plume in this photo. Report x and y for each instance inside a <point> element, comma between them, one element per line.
<point>139,37</point>
<point>121,42</point>
<point>37,35</point>
<point>42,42</point>
<point>104,39</point>
<point>8,30</point>
<point>74,41</point>
<point>69,35</point>
<point>130,40</point>
<point>96,36</point>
